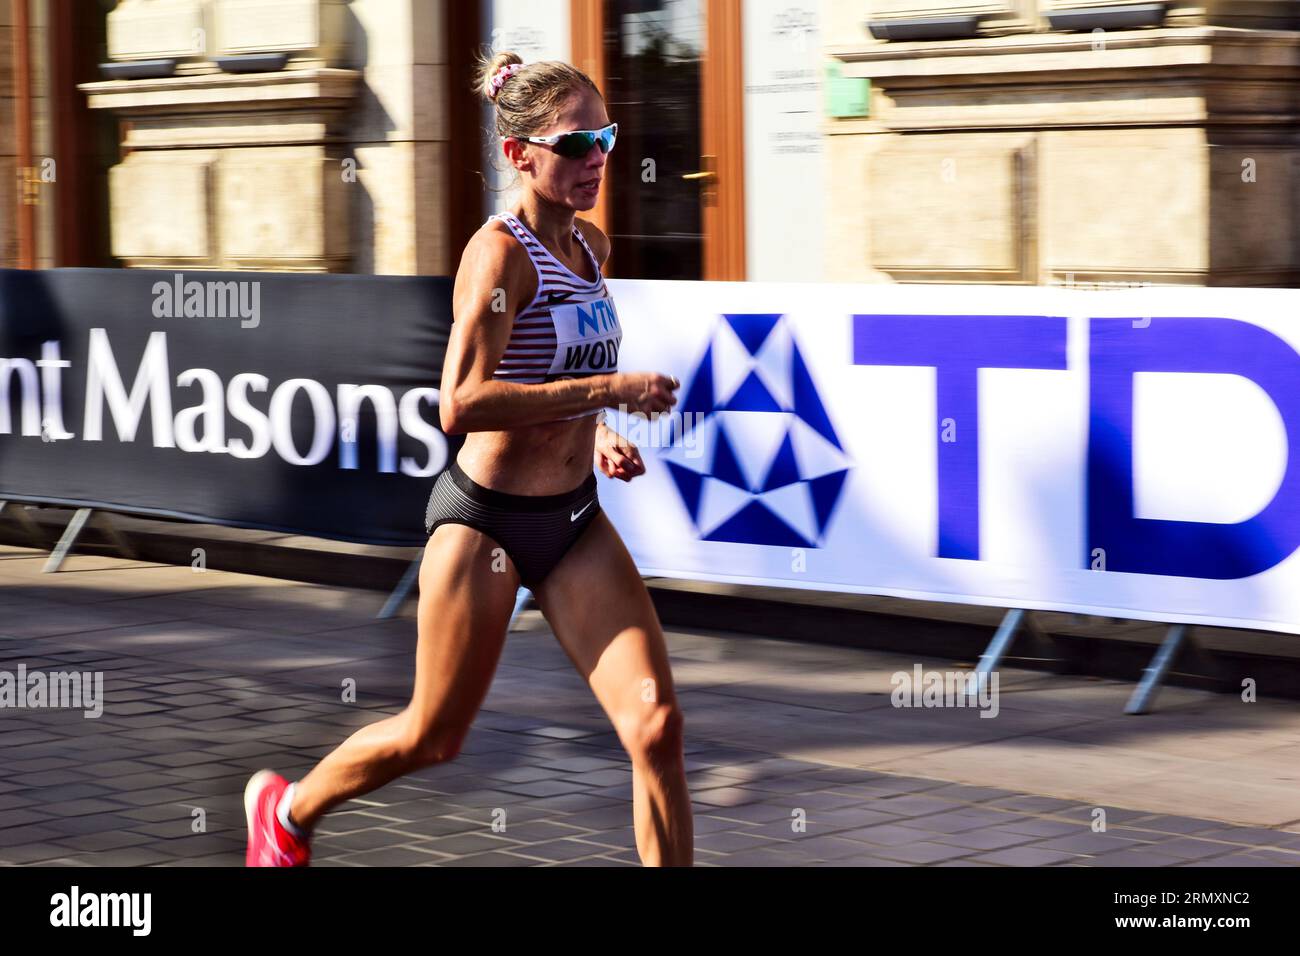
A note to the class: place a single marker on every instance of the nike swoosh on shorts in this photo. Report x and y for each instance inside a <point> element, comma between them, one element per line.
<point>575,515</point>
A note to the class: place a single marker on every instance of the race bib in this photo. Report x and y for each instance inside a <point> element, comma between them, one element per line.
<point>587,337</point>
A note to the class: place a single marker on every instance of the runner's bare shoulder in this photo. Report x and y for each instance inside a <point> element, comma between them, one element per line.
<point>496,274</point>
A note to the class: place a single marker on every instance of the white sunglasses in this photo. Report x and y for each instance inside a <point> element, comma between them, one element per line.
<point>578,143</point>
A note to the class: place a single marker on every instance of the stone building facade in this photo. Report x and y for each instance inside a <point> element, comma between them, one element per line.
<point>989,141</point>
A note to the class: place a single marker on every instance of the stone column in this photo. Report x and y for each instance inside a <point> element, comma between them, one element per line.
<point>1161,155</point>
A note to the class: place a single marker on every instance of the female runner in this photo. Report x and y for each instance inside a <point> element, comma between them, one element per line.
<point>531,363</point>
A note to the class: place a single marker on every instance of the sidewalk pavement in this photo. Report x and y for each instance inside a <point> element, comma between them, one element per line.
<point>795,754</point>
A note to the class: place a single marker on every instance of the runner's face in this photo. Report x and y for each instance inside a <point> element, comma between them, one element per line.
<point>574,183</point>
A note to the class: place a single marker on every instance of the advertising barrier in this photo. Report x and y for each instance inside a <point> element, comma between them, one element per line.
<point>1124,452</point>
<point>305,404</point>
<point>1130,453</point>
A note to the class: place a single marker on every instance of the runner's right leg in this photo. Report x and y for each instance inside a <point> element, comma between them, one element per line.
<point>463,614</point>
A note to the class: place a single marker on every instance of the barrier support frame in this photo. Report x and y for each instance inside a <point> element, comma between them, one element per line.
<point>83,516</point>
<point>1017,623</point>
<point>397,597</point>
<point>1178,645</point>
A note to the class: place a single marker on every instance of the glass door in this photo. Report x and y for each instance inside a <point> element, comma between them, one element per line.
<point>653,55</point>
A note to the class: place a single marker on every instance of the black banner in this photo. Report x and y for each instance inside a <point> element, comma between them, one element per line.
<point>297,403</point>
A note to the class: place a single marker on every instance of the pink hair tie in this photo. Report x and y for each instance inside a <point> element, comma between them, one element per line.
<point>499,79</point>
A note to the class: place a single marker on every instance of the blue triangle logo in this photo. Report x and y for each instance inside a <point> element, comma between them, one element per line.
<point>785,467</point>
<point>825,490</point>
<point>807,404</point>
<point>752,396</point>
<point>752,330</point>
<point>725,465</point>
<point>699,398</point>
<point>689,485</point>
<point>756,524</point>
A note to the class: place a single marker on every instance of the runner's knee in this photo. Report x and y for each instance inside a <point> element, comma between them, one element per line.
<point>424,744</point>
<point>653,734</point>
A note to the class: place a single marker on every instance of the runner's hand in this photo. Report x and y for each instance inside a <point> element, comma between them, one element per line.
<point>646,392</point>
<point>617,457</point>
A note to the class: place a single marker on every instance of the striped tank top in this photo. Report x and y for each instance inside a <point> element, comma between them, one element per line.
<point>569,329</point>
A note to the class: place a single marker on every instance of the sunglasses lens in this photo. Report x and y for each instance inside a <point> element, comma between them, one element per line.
<point>575,145</point>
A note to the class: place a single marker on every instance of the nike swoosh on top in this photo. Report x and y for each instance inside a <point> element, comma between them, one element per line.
<point>574,515</point>
<point>555,298</point>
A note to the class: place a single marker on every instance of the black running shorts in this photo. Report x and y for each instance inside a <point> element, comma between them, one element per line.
<point>535,531</point>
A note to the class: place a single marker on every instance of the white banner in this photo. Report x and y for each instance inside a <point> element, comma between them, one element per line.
<point>1124,453</point>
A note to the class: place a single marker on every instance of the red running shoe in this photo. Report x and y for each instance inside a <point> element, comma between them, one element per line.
<point>269,843</point>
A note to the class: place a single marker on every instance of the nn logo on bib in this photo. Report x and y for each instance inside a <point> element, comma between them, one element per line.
<point>600,318</point>
<point>587,338</point>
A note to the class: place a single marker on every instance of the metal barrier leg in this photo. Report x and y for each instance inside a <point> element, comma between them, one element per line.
<point>403,589</point>
<point>522,597</point>
<point>66,540</point>
<point>1144,694</point>
<point>996,650</point>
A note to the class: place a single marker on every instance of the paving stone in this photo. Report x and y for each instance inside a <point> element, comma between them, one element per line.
<point>958,821</point>
<point>544,788</point>
<point>90,823</point>
<point>832,848</point>
<point>597,861</point>
<point>1170,824</point>
<point>21,817</point>
<point>442,826</point>
<point>1250,836</point>
<point>752,813</point>
<point>32,853</point>
<point>1044,828</point>
<point>727,797</point>
<point>186,725</point>
<point>525,774</point>
<point>1190,848</point>
<point>582,764</point>
<point>393,856</point>
<point>927,853</point>
<point>77,808</point>
<point>1278,857</point>
<point>731,841</point>
<point>1235,860</point>
<point>108,840</point>
<point>1026,856</point>
<point>885,834</point>
<point>492,858</point>
<point>1088,842</point>
<point>915,805</point>
<point>1029,803</point>
<point>985,839</point>
<point>556,850</point>
<point>371,839</point>
<point>1143,856</point>
<point>472,843</point>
